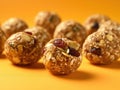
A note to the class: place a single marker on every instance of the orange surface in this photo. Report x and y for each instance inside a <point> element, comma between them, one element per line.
<point>87,77</point>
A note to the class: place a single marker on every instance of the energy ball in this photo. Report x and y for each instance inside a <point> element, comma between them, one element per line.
<point>93,22</point>
<point>13,25</point>
<point>71,30</point>
<point>48,20</point>
<point>22,49</point>
<point>62,56</point>
<point>2,41</point>
<point>102,47</point>
<point>40,34</point>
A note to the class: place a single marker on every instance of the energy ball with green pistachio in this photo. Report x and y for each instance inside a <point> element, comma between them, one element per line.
<point>62,56</point>
<point>22,49</point>
<point>40,34</point>
<point>93,22</point>
<point>13,25</point>
<point>48,20</point>
<point>102,47</point>
<point>72,30</point>
<point>2,41</point>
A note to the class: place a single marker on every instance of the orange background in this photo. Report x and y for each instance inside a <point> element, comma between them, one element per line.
<point>87,77</point>
<point>68,9</point>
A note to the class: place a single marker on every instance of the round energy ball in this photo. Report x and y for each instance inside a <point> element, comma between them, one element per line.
<point>40,34</point>
<point>62,56</point>
<point>22,49</point>
<point>2,41</point>
<point>102,47</point>
<point>13,25</point>
<point>48,20</point>
<point>72,30</point>
<point>93,22</point>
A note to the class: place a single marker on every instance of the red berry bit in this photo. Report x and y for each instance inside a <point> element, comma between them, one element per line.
<point>73,52</point>
<point>95,25</point>
<point>96,51</point>
<point>60,43</point>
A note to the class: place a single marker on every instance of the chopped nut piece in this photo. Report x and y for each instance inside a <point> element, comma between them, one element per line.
<point>109,37</point>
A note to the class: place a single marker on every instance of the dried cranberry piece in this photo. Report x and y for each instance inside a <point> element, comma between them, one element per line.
<point>52,18</point>
<point>95,25</point>
<point>96,51</point>
<point>28,32</point>
<point>60,43</point>
<point>73,52</point>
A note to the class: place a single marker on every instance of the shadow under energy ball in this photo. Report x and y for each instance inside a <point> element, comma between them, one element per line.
<point>62,56</point>
<point>13,25</point>
<point>71,30</point>
<point>48,20</point>
<point>22,49</point>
